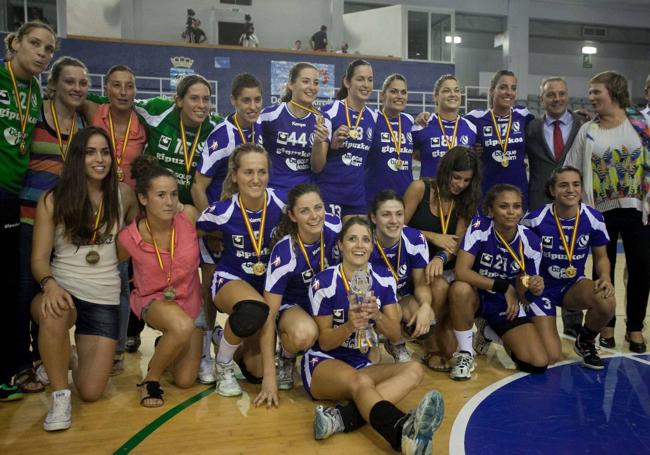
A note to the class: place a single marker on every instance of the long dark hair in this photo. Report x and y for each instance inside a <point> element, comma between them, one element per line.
<point>494,81</point>
<point>286,226</point>
<point>349,74</point>
<point>72,206</point>
<point>459,159</point>
<point>380,198</point>
<point>293,76</point>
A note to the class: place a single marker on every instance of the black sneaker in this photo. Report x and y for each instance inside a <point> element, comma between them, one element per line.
<point>589,353</point>
<point>9,392</point>
<point>132,344</point>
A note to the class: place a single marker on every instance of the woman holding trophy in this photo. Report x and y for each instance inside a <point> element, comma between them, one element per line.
<point>349,301</point>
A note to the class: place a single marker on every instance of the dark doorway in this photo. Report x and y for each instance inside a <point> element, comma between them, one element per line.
<point>229,32</point>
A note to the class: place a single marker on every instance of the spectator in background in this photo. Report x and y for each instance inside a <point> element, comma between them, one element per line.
<point>193,32</point>
<point>297,46</point>
<point>646,92</point>
<point>248,38</point>
<point>344,49</point>
<point>319,39</point>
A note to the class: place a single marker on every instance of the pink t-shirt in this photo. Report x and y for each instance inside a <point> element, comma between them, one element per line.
<point>150,281</point>
<point>135,145</point>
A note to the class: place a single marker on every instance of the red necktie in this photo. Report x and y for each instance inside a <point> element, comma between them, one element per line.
<point>558,141</point>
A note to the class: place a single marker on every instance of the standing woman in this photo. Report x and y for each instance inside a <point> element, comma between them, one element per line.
<point>390,161</point>
<point>445,129</point>
<point>78,221</point>
<point>569,229</point>
<point>244,218</point>
<point>58,122</point>
<point>404,252</point>
<point>613,153</point>
<point>288,129</point>
<point>304,245</point>
<point>177,130</point>
<point>441,208</point>
<point>497,270</point>
<point>500,133</point>
<point>167,295</point>
<point>28,52</point>
<point>335,369</point>
<point>342,142</point>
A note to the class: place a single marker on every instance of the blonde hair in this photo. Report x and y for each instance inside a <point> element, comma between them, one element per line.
<point>234,162</point>
<point>19,34</point>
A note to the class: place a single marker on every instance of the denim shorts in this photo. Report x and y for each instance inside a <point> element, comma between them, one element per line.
<point>96,319</point>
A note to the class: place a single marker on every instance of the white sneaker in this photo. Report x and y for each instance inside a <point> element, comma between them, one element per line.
<point>41,374</point>
<point>60,415</point>
<point>463,366</point>
<point>227,385</point>
<point>421,423</point>
<point>284,367</point>
<point>480,344</point>
<point>398,351</point>
<point>327,421</point>
<point>206,371</point>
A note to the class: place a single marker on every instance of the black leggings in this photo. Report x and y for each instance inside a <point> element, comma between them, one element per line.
<point>636,243</point>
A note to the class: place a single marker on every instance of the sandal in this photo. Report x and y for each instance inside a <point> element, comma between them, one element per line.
<point>442,367</point>
<point>153,392</point>
<point>27,381</point>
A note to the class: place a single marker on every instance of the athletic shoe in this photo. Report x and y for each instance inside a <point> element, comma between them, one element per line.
<point>60,415</point>
<point>227,385</point>
<point>9,392</point>
<point>206,371</point>
<point>327,421</point>
<point>589,353</point>
<point>132,344</point>
<point>398,352</point>
<point>480,343</point>
<point>284,367</point>
<point>463,366</point>
<point>118,364</point>
<point>421,423</point>
<point>41,374</point>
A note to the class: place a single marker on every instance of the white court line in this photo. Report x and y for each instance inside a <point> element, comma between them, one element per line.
<point>458,430</point>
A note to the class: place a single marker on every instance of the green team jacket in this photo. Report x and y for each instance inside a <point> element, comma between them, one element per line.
<point>13,164</point>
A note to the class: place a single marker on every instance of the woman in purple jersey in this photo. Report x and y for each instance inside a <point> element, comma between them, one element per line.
<point>441,208</point>
<point>404,252</point>
<point>335,370</point>
<point>304,224</point>
<point>497,271</point>
<point>341,144</point>
<point>565,284</point>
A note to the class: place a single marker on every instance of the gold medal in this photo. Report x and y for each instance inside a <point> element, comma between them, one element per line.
<point>451,141</point>
<point>397,141</point>
<point>169,293</point>
<point>525,280</point>
<point>120,174</point>
<point>19,107</point>
<point>571,271</point>
<point>22,147</point>
<point>259,268</point>
<point>505,162</point>
<point>398,164</point>
<point>318,115</point>
<point>92,257</point>
<point>504,144</point>
<point>354,133</point>
<point>188,159</point>
<point>73,123</point>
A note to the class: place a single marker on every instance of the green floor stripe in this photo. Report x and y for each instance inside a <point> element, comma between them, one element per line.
<point>141,435</point>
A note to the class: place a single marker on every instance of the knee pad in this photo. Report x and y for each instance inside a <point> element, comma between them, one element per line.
<point>527,367</point>
<point>247,317</point>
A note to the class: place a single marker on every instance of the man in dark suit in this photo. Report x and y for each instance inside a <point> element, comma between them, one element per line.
<point>548,139</point>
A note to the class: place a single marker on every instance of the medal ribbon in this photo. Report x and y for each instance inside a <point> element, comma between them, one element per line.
<point>171,251</point>
<point>451,141</point>
<point>397,143</point>
<point>97,217</point>
<point>347,116</point>
<point>73,123</point>
<point>318,115</point>
<point>504,145</point>
<point>241,131</point>
<point>188,161</point>
<point>23,120</point>
<point>120,155</point>
<point>322,253</point>
<point>444,221</point>
<point>385,258</point>
<point>257,242</point>
<point>519,260</point>
<point>567,249</point>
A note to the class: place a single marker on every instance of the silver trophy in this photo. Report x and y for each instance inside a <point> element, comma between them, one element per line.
<point>360,288</point>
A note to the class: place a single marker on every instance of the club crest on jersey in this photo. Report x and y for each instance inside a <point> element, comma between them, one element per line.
<point>4,97</point>
<point>277,261</point>
<point>282,137</point>
<point>486,259</point>
<point>464,139</point>
<point>409,137</point>
<point>164,142</point>
<point>487,131</point>
<point>476,224</point>
<point>315,285</point>
<point>238,241</point>
<point>547,241</point>
<point>515,126</point>
<point>368,134</point>
<point>307,276</point>
<point>583,241</point>
<point>214,146</point>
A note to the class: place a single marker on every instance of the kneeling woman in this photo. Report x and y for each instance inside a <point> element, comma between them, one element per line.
<point>569,229</point>
<point>404,251</point>
<point>305,245</point>
<point>496,269</point>
<point>335,369</point>
<point>79,220</point>
<point>244,218</point>
<point>167,295</point>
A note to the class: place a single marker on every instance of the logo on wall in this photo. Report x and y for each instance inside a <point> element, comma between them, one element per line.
<point>181,67</point>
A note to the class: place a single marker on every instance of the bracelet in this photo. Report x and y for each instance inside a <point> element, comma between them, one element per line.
<point>44,281</point>
<point>442,255</point>
<point>500,285</point>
